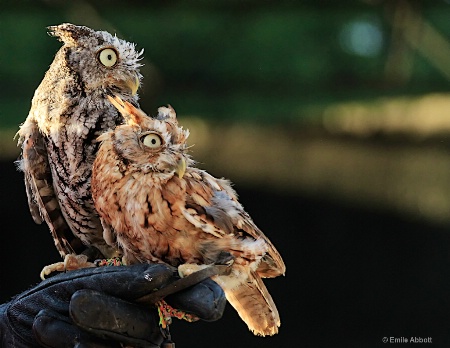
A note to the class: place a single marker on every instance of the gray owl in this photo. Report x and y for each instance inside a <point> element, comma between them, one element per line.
<point>69,111</point>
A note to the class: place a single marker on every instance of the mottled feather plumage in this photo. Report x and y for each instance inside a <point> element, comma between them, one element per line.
<point>162,208</point>
<point>69,111</point>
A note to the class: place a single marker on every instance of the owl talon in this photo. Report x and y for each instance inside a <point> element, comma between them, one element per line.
<point>71,262</point>
<point>54,267</point>
<point>224,258</point>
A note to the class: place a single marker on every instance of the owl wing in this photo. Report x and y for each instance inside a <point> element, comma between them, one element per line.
<point>212,205</point>
<point>42,200</point>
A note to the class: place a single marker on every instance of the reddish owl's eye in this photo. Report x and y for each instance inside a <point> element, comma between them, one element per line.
<point>152,140</point>
<point>108,57</point>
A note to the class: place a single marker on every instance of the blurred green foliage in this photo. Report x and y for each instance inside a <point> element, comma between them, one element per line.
<point>265,60</point>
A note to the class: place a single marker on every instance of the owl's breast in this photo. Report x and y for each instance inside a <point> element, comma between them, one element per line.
<point>146,215</point>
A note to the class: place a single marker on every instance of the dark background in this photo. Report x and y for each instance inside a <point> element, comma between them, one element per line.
<point>353,275</point>
<point>332,118</point>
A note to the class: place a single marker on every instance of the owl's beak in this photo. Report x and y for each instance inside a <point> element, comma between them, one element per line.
<point>133,83</point>
<point>181,167</point>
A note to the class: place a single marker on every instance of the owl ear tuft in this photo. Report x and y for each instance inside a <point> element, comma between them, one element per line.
<point>131,114</point>
<point>69,33</point>
<point>165,113</point>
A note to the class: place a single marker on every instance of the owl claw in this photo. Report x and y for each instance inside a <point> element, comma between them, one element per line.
<point>224,258</point>
<point>71,262</point>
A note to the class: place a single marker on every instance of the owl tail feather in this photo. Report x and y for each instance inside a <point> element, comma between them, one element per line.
<point>255,306</point>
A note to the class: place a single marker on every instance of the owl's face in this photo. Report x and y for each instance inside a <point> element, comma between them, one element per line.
<point>150,144</point>
<point>103,62</point>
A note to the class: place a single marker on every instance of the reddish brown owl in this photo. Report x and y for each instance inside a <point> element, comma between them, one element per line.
<point>158,207</point>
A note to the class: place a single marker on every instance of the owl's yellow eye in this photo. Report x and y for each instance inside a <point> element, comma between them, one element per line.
<point>108,57</point>
<point>152,140</point>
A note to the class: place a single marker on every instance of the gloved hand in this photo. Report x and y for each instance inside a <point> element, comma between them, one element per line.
<point>93,307</point>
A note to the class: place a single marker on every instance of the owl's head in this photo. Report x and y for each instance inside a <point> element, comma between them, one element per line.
<point>150,144</point>
<point>102,61</point>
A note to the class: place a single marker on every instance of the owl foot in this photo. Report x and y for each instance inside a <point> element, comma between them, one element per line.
<point>204,271</point>
<point>166,312</point>
<point>71,262</point>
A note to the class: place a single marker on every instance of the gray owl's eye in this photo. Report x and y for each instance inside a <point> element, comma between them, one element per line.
<point>152,140</point>
<point>108,57</point>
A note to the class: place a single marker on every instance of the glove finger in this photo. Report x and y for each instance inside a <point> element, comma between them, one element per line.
<point>55,331</point>
<point>112,318</point>
<point>128,282</point>
<point>206,300</point>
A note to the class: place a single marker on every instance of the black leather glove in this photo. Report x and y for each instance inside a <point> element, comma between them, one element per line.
<point>94,307</point>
